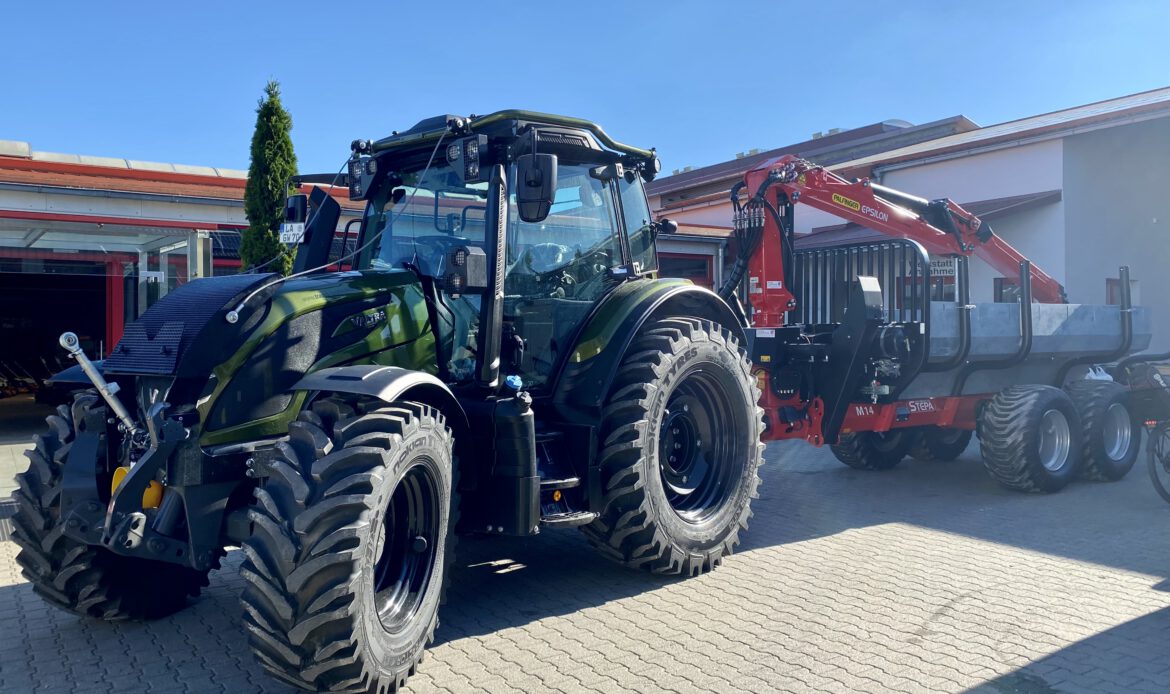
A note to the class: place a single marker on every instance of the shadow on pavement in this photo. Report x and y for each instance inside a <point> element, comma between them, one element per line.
<point>1138,648</point>
<point>1121,524</point>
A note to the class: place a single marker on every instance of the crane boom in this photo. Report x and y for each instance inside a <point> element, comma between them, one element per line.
<point>941,226</point>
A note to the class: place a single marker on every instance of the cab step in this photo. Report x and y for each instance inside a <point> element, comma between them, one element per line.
<point>565,483</point>
<point>570,519</point>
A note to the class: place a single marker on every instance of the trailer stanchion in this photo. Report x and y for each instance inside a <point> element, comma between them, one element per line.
<point>1025,334</point>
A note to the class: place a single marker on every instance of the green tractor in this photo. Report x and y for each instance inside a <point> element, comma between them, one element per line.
<point>498,356</point>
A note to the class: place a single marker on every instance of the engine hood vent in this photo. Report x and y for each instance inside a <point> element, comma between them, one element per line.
<point>154,344</point>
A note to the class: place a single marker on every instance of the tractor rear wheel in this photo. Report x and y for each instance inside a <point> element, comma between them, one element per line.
<point>872,450</point>
<point>1110,439</point>
<point>76,577</point>
<point>938,444</point>
<point>351,544</point>
<point>1028,438</point>
<point>680,447</point>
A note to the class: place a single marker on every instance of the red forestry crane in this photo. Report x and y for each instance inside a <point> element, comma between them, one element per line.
<point>941,226</point>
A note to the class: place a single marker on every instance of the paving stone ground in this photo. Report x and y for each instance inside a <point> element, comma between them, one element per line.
<point>927,578</point>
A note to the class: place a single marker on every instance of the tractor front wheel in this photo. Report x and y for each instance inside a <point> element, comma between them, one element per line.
<point>680,447</point>
<point>351,543</point>
<point>82,579</point>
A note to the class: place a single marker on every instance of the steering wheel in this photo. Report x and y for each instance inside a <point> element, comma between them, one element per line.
<point>543,258</point>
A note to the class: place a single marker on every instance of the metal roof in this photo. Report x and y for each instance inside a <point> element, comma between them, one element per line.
<point>873,137</point>
<point>23,150</point>
<point>1102,113</point>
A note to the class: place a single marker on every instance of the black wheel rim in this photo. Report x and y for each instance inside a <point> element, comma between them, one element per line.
<point>409,546</point>
<point>701,444</point>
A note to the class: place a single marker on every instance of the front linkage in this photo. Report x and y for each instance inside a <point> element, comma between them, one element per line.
<point>182,525</point>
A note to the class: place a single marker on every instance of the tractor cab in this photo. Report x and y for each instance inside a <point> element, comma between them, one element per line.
<point>569,215</point>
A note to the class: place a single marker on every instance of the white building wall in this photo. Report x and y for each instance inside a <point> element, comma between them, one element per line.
<point>1038,233</point>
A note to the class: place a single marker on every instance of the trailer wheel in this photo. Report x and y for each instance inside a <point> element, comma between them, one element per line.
<point>680,446</point>
<point>1110,440</point>
<point>350,548</point>
<point>1028,439</point>
<point>871,450</point>
<point>938,444</point>
<point>85,580</point>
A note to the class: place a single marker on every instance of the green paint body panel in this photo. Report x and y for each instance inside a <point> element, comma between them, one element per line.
<point>394,333</point>
<point>617,307</point>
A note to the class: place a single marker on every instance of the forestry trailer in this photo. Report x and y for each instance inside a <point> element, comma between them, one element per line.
<point>855,345</point>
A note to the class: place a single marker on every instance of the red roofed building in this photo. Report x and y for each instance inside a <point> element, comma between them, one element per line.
<point>88,243</point>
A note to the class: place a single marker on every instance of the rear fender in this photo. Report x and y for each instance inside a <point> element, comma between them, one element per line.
<point>592,365</point>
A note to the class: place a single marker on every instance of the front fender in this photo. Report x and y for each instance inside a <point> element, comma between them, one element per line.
<point>74,375</point>
<point>585,380</point>
<point>389,384</point>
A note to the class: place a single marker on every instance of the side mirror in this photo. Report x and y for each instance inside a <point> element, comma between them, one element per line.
<point>536,185</point>
<point>296,209</point>
<point>665,226</point>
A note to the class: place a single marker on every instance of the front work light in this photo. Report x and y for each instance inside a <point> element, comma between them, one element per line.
<point>463,156</point>
<point>361,176</point>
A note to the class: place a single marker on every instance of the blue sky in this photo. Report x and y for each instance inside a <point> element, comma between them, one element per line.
<point>700,81</point>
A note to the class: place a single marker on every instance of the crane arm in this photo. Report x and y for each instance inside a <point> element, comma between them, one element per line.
<point>941,226</point>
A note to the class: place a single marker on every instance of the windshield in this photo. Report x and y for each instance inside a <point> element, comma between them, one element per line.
<point>426,216</point>
<point>420,223</point>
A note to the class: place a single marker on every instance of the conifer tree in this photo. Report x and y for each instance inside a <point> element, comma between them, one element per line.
<point>273,163</point>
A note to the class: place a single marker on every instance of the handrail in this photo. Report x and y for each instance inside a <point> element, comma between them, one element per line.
<point>394,142</point>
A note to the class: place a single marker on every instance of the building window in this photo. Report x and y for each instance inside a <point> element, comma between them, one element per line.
<point>696,268</point>
<point>1113,291</point>
<point>1007,290</point>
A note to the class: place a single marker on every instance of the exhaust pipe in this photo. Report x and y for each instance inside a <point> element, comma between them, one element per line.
<point>108,390</point>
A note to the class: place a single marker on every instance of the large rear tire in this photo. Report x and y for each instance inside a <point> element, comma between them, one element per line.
<point>85,580</point>
<point>871,450</point>
<point>1110,439</point>
<point>939,444</point>
<point>350,549</point>
<point>1028,438</point>
<point>680,441</point>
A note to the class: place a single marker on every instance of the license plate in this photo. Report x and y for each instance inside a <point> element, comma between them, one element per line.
<point>292,233</point>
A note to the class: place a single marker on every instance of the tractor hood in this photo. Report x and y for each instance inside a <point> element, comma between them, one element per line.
<point>156,343</point>
<point>186,333</point>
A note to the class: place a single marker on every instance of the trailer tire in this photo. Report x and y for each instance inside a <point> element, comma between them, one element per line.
<point>351,545</point>
<point>86,580</point>
<point>1111,439</point>
<point>871,450</point>
<point>939,444</point>
<point>1028,440</point>
<point>673,503</point>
